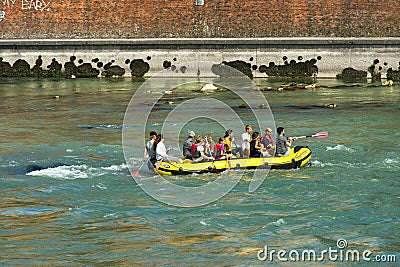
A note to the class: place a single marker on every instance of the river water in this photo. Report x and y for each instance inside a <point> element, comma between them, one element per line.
<point>67,198</point>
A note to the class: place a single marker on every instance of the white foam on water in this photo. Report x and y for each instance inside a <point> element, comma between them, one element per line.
<point>63,172</point>
<point>76,171</point>
<point>203,222</point>
<point>9,164</point>
<point>109,126</point>
<point>27,211</point>
<point>100,186</point>
<point>390,161</point>
<point>120,167</point>
<point>340,147</point>
<point>278,222</point>
<point>112,215</point>
<point>317,163</point>
<point>135,161</point>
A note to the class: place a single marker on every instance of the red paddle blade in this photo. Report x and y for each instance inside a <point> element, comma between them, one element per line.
<point>321,135</point>
<point>136,173</point>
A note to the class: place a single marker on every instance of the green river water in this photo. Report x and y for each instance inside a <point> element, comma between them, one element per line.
<point>67,198</point>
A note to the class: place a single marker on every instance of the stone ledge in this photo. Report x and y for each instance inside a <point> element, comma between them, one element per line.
<point>205,42</point>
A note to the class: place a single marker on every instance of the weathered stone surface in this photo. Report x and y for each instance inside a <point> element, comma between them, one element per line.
<point>336,58</point>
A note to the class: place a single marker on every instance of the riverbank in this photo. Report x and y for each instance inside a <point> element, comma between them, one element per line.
<point>146,57</point>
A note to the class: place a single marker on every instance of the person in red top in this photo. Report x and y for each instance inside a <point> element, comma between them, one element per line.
<point>219,150</point>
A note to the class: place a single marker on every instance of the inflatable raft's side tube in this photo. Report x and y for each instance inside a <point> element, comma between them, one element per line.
<point>298,157</point>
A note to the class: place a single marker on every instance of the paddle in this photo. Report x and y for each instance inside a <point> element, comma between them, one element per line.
<point>136,173</point>
<point>317,135</point>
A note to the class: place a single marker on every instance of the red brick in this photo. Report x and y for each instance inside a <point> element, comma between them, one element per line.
<point>218,18</point>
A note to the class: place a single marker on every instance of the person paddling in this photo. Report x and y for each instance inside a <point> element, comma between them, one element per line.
<point>283,144</point>
<point>149,152</point>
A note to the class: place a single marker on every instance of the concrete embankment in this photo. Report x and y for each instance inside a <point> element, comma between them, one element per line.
<point>330,55</point>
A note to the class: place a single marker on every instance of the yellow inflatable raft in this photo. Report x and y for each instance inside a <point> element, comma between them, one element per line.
<point>299,156</point>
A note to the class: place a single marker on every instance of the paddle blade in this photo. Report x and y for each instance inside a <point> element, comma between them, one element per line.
<point>136,173</point>
<point>321,135</point>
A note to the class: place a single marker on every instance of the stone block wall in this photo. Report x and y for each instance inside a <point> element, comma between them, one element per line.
<point>268,57</point>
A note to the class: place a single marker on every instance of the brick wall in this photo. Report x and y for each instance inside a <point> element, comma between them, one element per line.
<point>182,18</point>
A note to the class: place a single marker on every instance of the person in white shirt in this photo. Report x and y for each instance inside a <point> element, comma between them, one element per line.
<point>161,152</point>
<point>246,139</point>
<point>198,150</point>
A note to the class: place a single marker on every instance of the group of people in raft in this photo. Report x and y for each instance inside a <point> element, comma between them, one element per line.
<point>201,148</point>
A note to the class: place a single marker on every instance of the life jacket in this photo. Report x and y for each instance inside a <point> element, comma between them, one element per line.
<point>195,152</point>
<point>150,150</point>
<point>228,145</point>
<point>218,148</point>
<point>187,148</point>
<point>265,136</point>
